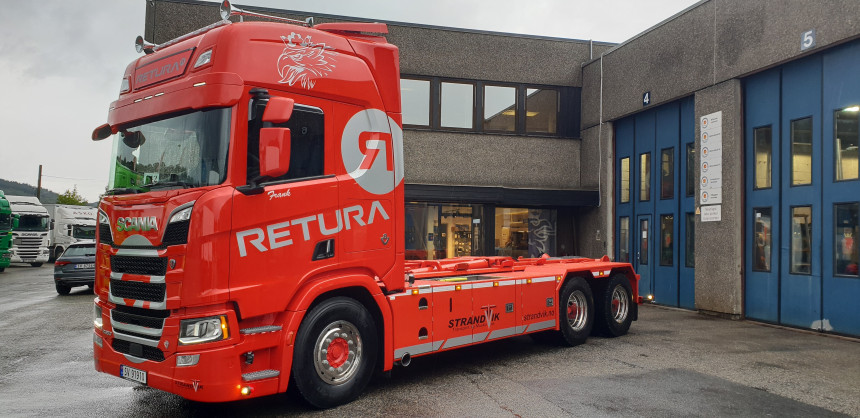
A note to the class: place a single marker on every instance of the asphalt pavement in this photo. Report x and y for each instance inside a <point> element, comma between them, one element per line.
<point>672,363</point>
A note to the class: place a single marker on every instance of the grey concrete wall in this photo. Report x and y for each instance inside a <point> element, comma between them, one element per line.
<point>719,245</point>
<point>458,54</point>
<point>713,42</point>
<point>594,226</point>
<point>424,50</point>
<point>461,159</point>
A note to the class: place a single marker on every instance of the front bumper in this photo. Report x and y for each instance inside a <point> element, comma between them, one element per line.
<point>41,258</point>
<point>220,373</point>
<point>75,280</point>
<point>215,378</point>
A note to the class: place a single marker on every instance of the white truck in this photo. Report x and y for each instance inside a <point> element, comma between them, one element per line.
<point>29,231</point>
<point>70,224</point>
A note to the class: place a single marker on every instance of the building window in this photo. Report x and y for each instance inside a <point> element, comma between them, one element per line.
<point>541,111</point>
<point>691,170</point>
<point>415,98</point>
<point>624,239</point>
<point>645,176</point>
<point>690,241</point>
<point>801,240</point>
<point>845,232</point>
<point>457,105</point>
<point>625,180</point>
<point>801,152</point>
<point>524,232</point>
<point>763,152</point>
<point>437,231</point>
<point>500,108</point>
<point>762,240</point>
<point>846,137</point>
<point>667,240</point>
<point>422,229</point>
<point>667,173</point>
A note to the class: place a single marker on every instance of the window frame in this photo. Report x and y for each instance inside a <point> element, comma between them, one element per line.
<point>430,93</point>
<point>567,99</point>
<point>483,107</point>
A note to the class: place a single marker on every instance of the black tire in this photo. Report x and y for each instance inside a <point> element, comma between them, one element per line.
<point>36,264</point>
<point>575,320</point>
<point>337,330</point>
<point>63,290</point>
<point>57,253</point>
<point>2,269</point>
<point>614,307</point>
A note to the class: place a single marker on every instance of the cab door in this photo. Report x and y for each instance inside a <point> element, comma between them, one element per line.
<point>293,225</point>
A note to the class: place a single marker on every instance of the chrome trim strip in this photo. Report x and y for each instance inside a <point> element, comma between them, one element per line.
<point>541,325</point>
<point>136,252</point>
<point>132,338</point>
<point>136,328</point>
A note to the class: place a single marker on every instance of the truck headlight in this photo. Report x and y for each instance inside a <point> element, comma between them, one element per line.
<point>182,215</point>
<point>97,316</point>
<point>201,330</point>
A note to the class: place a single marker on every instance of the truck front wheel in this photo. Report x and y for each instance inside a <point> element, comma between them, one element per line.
<point>335,352</point>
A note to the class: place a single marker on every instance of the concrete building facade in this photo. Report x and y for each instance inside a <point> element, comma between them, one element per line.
<point>716,151</point>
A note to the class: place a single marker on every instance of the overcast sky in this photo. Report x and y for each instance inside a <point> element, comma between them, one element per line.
<point>61,63</point>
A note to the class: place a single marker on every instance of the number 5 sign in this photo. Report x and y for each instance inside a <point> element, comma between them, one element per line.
<point>807,40</point>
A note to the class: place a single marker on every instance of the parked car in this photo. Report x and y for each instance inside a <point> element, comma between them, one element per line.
<point>76,267</point>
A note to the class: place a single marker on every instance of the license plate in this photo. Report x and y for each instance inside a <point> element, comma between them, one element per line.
<point>132,374</point>
<point>85,266</point>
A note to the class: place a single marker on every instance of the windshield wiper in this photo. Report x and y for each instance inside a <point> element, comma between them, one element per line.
<point>158,184</point>
<point>122,190</point>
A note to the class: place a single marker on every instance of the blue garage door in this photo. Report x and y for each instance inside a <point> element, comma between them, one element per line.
<point>654,197</point>
<point>803,192</point>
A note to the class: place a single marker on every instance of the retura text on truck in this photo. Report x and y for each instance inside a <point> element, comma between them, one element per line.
<point>252,239</point>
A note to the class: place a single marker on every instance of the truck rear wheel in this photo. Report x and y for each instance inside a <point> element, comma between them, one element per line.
<point>335,352</point>
<point>614,307</point>
<point>576,311</point>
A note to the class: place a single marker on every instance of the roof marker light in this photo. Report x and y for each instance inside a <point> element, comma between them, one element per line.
<point>138,100</point>
<point>203,59</point>
<point>202,83</point>
<point>159,94</point>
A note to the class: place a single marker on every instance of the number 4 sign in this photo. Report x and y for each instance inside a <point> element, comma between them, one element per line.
<point>646,99</point>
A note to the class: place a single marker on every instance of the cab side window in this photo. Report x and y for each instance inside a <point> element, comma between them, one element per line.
<point>307,143</point>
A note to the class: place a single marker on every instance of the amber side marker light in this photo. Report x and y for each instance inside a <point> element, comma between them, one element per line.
<point>246,390</point>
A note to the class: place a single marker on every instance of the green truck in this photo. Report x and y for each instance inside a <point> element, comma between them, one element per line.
<point>5,231</point>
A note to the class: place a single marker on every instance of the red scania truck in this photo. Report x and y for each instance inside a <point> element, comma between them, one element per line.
<point>252,236</point>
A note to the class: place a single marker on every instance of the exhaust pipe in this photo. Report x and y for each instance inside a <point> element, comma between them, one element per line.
<point>406,360</point>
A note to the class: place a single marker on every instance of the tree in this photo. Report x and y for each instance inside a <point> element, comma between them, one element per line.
<point>72,197</point>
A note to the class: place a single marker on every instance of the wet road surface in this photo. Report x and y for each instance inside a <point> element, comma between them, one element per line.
<point>672,363</point>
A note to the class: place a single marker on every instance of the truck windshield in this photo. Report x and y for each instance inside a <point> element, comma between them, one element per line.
<point>32,223</point>
<point>189,150</point>
<point>84,232</point>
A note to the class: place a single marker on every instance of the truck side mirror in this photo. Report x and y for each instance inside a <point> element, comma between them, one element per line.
<point>15,222</point>
<point>274,151</point>
<point>278,110</point>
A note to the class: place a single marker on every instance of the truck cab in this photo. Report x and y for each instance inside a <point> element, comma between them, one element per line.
<point>70,224</point>
<point>30,231</point>
<point>5,231</point>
